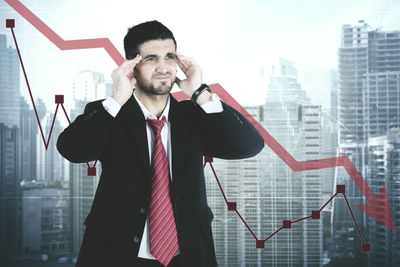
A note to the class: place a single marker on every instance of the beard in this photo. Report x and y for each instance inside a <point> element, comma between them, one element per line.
<point>163,87</point>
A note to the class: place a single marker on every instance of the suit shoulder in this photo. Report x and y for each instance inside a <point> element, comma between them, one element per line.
<point>93,104</point>
<point>185,104</point>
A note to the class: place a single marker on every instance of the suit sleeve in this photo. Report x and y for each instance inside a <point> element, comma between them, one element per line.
<point>84,139</point>
<point>229,135</point>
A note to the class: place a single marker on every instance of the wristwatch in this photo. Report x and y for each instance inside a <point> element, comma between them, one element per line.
<point>196,93</point>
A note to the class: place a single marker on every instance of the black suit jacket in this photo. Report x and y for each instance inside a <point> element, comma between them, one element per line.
<point>115,224</point>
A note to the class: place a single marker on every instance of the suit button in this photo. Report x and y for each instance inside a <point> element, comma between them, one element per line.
<point>142,211</point>
<point>136,239</point>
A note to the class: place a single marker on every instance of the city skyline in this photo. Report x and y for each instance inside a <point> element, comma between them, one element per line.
<point>297,122</point>
<point>310,44</point>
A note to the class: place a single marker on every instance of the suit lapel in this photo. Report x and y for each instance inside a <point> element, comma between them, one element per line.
<point>135,124</point>
<point>133,120</point>
<point>179,137</point>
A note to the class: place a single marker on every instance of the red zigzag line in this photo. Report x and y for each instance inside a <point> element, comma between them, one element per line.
<point>375,203</point>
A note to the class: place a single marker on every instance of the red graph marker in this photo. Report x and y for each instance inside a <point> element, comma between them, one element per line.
<point>208,159</point>
<point>315,214</point>
<point>231,205</point>
<point>287,224</point>
<point>260,243</point>
<point>366,247</point>
<point>10,23</point>
<point>59,99</point>
<point>91,171</point>
<point>340,188</point>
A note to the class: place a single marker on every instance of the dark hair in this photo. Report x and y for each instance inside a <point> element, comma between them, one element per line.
<point>146,31</point>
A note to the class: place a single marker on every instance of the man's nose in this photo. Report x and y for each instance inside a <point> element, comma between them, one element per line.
<point>162,66</point>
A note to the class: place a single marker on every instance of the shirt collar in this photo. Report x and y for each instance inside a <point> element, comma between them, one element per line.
<point>147,114</point>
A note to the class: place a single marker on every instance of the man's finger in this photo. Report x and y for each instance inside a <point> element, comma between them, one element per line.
<point>181,61</point>
<point>188,62</point>
<point>178,81</point>
<point>135,60</point>
<point>128,65</point>
<point>182,66</point>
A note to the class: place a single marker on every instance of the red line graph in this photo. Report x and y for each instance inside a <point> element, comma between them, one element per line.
<point>59,99</point>
<point>287,224</point>
<point>61,43</point>
<point>375,203</point>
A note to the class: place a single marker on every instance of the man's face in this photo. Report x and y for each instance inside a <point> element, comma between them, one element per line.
<point>156,73</point>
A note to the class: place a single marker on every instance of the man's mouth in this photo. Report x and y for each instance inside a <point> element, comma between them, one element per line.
<point>166,77</point>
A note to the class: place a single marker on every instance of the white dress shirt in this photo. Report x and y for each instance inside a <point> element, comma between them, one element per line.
<point>113,107</point>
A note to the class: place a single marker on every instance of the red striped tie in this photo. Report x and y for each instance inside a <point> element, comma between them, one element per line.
<point>163,233</point>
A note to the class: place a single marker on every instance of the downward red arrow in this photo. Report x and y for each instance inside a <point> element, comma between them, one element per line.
<point>378,207</point>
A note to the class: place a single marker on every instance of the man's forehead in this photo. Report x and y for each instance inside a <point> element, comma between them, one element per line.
<point>157,47</point>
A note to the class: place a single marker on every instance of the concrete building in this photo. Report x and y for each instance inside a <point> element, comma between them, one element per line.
<point>241,182</point>
<point>29,131</point>
<point>9,84</point>
<point>368,103</point>
<point>90,85</point>
<point>295,123</point>
<point>54,162</point>
<point>384,168</point>
<point>45,218</point>
<point>10,193</point>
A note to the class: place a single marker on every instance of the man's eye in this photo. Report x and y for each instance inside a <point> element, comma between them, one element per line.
<point>151,59</point>
<point>171,57</point>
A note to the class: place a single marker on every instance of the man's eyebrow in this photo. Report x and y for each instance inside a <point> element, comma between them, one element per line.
<point>156,56</point>
<point>149,55</point>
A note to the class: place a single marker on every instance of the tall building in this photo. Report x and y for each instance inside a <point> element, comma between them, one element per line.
<point>29,131</point>
<point>9,84</point>
<point>295,123</point>
<point>54,162</point>
<point>369,65</point>
<point>41,149</point>
<point>90,85</point>
<point>241,182</point>
<point>368,103</point>
<point>312,142</point>
<point>10,194</point>
<point>50,164</point>
<point>384,168</point>
<point>45,218</point>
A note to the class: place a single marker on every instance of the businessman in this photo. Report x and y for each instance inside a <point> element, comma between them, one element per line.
<point>150,207</point>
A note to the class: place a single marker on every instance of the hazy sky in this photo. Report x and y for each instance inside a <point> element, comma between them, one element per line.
<point>231,40</point>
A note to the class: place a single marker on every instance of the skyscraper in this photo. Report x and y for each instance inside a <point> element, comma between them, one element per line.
<point>384,168</point>
<point>9,84</point>
<point>54,162</point>
<point>28,133</point>
<point>241,182</point>
<point>368,103</point>
<point>295,123</point>
<point>45,218</point>
<point>10,193</point>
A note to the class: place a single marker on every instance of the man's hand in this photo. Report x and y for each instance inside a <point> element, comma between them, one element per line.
<point>193,79</point>
<point>124,81</point>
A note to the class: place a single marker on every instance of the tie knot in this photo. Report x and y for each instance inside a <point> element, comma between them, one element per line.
<point>157,125</point>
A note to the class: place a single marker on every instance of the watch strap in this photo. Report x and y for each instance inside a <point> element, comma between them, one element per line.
<point>203,87</point>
